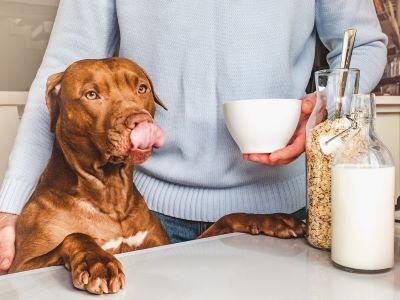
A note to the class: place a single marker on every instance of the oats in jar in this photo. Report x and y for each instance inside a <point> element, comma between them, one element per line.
<point>319,162</point>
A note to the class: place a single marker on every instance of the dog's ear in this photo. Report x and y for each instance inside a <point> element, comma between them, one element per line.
<point>155,96</point>
<point>52,98</point>
<point>157,99</point>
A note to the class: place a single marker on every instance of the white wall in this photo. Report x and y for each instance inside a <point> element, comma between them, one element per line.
<point>25,27</point>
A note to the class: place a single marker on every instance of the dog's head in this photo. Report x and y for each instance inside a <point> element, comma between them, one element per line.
<point>99,103</point>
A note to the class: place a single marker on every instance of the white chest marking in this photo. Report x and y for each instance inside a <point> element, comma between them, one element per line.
<point>88,207</point>
<point>132,241</point>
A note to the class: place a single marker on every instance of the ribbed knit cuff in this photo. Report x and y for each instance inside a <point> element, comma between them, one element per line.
<point>14,194</point>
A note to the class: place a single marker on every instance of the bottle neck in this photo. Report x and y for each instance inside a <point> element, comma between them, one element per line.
<point>365,130</point>
<point>363,110</point>
<point>366,124</point>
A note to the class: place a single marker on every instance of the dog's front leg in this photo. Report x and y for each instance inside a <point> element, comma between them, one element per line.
<point>92,268</point>
<point>279,225</point>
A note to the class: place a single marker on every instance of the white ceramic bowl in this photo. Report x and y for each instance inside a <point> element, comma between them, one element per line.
<point>262,125</point>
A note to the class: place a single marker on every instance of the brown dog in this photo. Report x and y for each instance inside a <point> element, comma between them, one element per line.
<point>85,207</point>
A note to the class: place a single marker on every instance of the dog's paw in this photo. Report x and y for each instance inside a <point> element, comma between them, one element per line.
<point>98,273</point>
<point>278,225</point>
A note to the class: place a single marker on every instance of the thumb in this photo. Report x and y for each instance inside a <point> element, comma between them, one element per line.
<point>7,247</point>
<point>308,103</point>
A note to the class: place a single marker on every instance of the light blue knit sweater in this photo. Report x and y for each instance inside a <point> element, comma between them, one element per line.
<point>199,53</point>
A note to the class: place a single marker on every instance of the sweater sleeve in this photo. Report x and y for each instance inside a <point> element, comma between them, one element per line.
<point>82,29</point>
<point>369,54</point>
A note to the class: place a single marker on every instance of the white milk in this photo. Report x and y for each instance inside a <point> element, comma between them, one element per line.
<point>363,217</point>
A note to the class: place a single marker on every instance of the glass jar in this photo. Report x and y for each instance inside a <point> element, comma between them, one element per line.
<point>363,196</point>
<point>335,88</point>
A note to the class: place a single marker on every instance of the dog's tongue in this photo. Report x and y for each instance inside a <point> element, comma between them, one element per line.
<point>147,135</point>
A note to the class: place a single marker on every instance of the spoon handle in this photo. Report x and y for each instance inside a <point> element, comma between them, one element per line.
<point>347,51</point>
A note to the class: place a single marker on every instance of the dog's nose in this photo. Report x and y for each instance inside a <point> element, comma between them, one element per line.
<point>133,119</point>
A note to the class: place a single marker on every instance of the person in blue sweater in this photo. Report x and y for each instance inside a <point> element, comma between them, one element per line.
<point>199,54</point>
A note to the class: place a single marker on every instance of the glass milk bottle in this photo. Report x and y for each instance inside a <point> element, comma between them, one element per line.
<point>363,182</point>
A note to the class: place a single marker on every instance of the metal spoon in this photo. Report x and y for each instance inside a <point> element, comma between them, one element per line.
<point>347,51</point>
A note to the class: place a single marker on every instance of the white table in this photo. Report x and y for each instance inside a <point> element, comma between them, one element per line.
<point>234,266</point>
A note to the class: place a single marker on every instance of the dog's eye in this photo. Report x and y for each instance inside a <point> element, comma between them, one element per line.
<point>142,89</point>
<point>91,95</point>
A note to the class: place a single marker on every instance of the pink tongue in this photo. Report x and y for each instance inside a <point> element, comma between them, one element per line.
<point>147,135</point>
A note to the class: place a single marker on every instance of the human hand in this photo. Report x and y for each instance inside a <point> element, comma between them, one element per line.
<point>7,239</point>
<point>297,143</point>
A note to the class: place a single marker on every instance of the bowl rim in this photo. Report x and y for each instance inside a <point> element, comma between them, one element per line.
<point>258,100</point>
